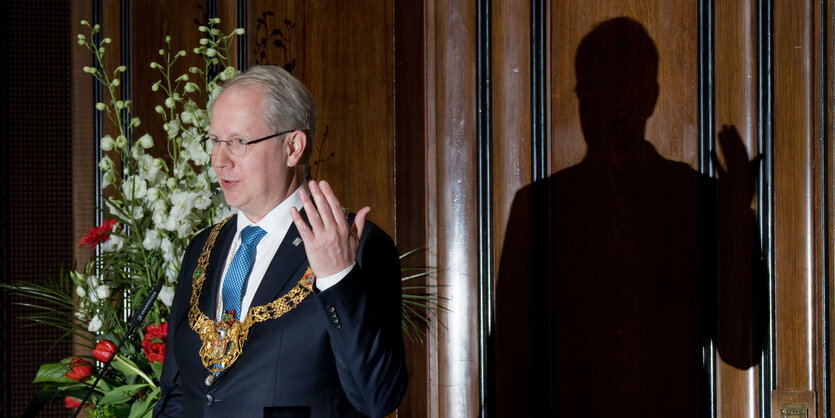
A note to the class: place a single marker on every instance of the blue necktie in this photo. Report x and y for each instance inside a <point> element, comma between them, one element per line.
<point>240,268</point>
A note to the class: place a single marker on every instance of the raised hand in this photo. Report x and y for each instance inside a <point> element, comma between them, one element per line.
<point>331,244</point>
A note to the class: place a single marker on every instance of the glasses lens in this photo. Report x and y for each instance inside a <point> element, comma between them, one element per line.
<point>236,147</point>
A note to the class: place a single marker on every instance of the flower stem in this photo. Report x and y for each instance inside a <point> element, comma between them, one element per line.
<point>139,372</point>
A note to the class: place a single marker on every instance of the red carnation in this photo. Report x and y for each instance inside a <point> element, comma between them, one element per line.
<point>154,342</point>
<point>80,369</point>
<point>104,350</point>
<point>97,234</point>
<point>71,402</point>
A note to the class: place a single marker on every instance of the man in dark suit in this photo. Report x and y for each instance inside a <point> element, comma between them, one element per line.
<point>290,308</point>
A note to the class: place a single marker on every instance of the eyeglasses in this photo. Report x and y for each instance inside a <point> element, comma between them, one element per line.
<point>236,146</point>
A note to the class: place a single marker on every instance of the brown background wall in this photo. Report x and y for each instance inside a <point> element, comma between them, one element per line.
<point>428,115</point>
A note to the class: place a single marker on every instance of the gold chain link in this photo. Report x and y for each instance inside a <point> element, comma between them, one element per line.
<point>232,336</point>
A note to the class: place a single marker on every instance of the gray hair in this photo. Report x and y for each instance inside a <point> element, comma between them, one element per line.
<point>289,104</point>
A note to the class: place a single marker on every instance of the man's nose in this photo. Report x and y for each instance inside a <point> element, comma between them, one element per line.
<point>221,155</point>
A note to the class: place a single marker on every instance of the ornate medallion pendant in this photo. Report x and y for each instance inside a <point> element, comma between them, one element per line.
<point>223,341</point>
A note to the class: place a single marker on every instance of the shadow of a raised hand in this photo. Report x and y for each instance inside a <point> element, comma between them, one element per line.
<point>740,283</point>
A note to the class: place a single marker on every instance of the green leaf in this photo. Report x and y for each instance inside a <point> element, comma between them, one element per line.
<point>138,409</point>
<point>128,369</point>
<point>52,372</point>
<point>157,366</point>
<point>145,408</point>
<point>121,394</point>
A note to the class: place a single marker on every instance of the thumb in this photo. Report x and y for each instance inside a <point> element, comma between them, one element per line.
<point>359,221</point>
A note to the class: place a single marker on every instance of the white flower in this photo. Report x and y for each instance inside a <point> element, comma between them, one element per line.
<point>114,207</point>
<point>79,290</point>
<point>184,229</point>
<point>136,151</point>
<point>202,202</point>
<point>134,188</point>
<point>228,73</point>
<point>115,243</point>
<point>196,151</point>
<point>95,324</point>
<point>145,141</point>
<point>107,143</point>
<point>103,292</point>
<point>167,248</point>
<point>105,164</point>
<point>166,295</point>
<point>137,212</point>
<point>155,201</point>
<point>152,239</point>
<point>172,128</point>
<point>92,281</point>
<point>108,179</point>
<point>93,296</point>
<point>160,216</point>
<point>201,118</point>
<point>171,271</point>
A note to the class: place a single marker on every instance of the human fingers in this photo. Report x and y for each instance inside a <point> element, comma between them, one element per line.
<point>301,225</point>
<point>311,211</point>
<point>323,208</point>
<point>335,206</point>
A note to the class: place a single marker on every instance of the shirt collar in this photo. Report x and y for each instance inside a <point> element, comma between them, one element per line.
<point>276,221</point>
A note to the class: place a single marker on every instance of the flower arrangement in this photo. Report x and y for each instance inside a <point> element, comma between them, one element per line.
<point>154,206</point>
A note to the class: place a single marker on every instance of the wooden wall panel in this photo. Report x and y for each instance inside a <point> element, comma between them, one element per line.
<point>735,101</point>
<point>180,21</point>
<point>673,126</point>
<point>511,108</point>
<point>82,108</point>
<point>821,24</point>
<point>401,136</point>
<point>412,218</point>
<point>794,195</point>
<point>348,65</point>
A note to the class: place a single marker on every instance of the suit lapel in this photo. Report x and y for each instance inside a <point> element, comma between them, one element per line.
<point>284,266</point>
<point>220,253</point>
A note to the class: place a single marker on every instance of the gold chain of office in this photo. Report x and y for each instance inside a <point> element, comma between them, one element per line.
<point>223,340</point>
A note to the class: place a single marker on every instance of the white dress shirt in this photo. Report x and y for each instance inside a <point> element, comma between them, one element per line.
<point>276,223</point>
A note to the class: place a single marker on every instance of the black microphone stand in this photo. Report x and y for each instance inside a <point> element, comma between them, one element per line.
<point>134,322</point>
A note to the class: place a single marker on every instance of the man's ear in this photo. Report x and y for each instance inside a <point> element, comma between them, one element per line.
<point>295,145</point>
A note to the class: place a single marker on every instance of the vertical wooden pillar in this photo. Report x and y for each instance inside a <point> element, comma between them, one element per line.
<point>796,226</point>
<point>735,101</point>
<point>828,33</point>
<point>455,204</point>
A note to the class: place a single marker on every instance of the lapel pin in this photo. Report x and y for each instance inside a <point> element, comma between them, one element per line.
<point>297,241</point>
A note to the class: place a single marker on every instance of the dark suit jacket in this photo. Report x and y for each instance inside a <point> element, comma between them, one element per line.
<point>338,354</point>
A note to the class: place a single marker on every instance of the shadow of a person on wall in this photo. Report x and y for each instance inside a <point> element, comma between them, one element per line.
<point>614,276</point>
